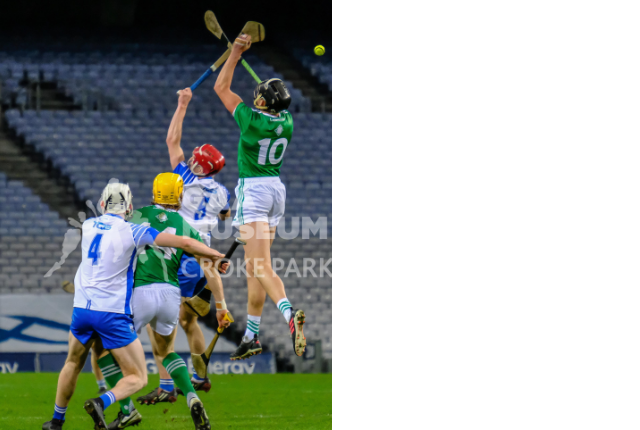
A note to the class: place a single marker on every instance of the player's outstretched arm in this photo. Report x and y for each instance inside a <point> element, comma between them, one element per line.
<point>174,135</point>
<point>189,245</point>
<point>223,84</point>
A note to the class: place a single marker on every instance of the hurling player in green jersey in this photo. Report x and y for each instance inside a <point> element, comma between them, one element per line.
<point>265,133</point>
<point>156,301</point>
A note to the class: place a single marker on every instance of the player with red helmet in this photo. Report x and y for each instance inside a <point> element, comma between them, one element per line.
<point>205,161</point>
<point>205,201</point>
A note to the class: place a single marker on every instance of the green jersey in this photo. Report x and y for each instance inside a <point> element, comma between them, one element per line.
<point>160,264</point>
<point>263,141</point>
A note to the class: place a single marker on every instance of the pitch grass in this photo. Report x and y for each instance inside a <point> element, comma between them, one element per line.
<point>281,401</point>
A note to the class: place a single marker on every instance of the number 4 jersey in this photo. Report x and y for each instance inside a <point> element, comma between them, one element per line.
<point>160,264</point>
<point>263,141</point>
<point>104,280</point>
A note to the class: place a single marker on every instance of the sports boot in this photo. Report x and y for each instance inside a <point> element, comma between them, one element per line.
<point>124,421</point>
<point>158,396</point>
<point>297,336</point>
<point>94,409</point>
<point>247,348</point>
<point>198,386</point>
<point>199,415</point>
<point>54,424</point>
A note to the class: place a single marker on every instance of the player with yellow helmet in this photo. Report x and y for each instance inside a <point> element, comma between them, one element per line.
<point>156,300</point>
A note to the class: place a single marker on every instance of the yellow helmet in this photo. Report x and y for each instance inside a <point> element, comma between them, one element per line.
<point>167,189</point>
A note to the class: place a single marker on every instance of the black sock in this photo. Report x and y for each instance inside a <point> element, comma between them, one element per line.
<point>101,402</point>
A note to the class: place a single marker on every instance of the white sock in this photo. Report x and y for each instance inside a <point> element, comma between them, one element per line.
<point>285,308</point>
<point>253,326</point>
<point>191,396</point>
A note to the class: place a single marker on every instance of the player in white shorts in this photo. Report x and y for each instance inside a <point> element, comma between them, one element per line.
<point>265,133</point>
<point>102,307</point>
<point>156,290</point>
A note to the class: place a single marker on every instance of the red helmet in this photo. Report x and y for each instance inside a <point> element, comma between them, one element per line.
<point>207,157</point>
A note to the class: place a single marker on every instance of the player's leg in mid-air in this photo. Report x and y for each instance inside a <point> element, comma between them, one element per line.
<point>256,296</point>
<point>261,278</point>
<point>265,133</point>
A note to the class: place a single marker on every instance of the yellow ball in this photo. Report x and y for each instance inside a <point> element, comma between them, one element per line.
<point>319,50</point>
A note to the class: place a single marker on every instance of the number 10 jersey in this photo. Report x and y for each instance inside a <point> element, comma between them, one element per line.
<point>263,141</point>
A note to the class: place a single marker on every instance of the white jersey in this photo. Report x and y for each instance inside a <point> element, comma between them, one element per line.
<point>104,280</point>
<point>203,200</point>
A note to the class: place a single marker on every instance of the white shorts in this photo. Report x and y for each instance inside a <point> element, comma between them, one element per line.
<point>158,305</point>
<point>260,199</point>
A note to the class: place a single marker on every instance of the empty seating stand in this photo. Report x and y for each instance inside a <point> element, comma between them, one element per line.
<point>31,238</point>
<point>133,79</point>
<point>129,99</point>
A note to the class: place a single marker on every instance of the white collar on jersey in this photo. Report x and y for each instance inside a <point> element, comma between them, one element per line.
<point>266,114</point>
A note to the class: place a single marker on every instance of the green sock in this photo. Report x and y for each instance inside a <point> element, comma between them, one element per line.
<point>112,373</point>
<point>177,368</point>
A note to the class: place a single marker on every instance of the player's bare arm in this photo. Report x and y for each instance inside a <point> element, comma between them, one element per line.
<point>189,245</point>
<point>214,284</point>
<point>174,135</point>
<point>223,84</point>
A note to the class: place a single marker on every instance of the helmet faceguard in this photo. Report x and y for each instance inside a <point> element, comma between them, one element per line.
<point>275,95</point>
<point>117,198</point>
<point>206,160</point>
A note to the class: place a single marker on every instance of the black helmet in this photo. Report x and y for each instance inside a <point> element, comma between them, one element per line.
<point>275,94</point>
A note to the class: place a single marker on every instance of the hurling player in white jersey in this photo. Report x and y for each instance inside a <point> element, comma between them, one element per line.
<point>203,203</point>
<point>102,302</point>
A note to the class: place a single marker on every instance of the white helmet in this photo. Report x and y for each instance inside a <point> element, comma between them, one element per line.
<point>116,198</point>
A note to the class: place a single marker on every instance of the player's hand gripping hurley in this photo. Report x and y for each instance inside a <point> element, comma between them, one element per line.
<point>257,35</point>
<point>201,362</point>
<point>252,28</point>
<point>201,303</point>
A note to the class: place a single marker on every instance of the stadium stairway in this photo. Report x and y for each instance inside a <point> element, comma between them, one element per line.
<point>17,164</point>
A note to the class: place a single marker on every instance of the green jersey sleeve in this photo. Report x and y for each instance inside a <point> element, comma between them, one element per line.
<point>244,116</point>
<point>193,234</point>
